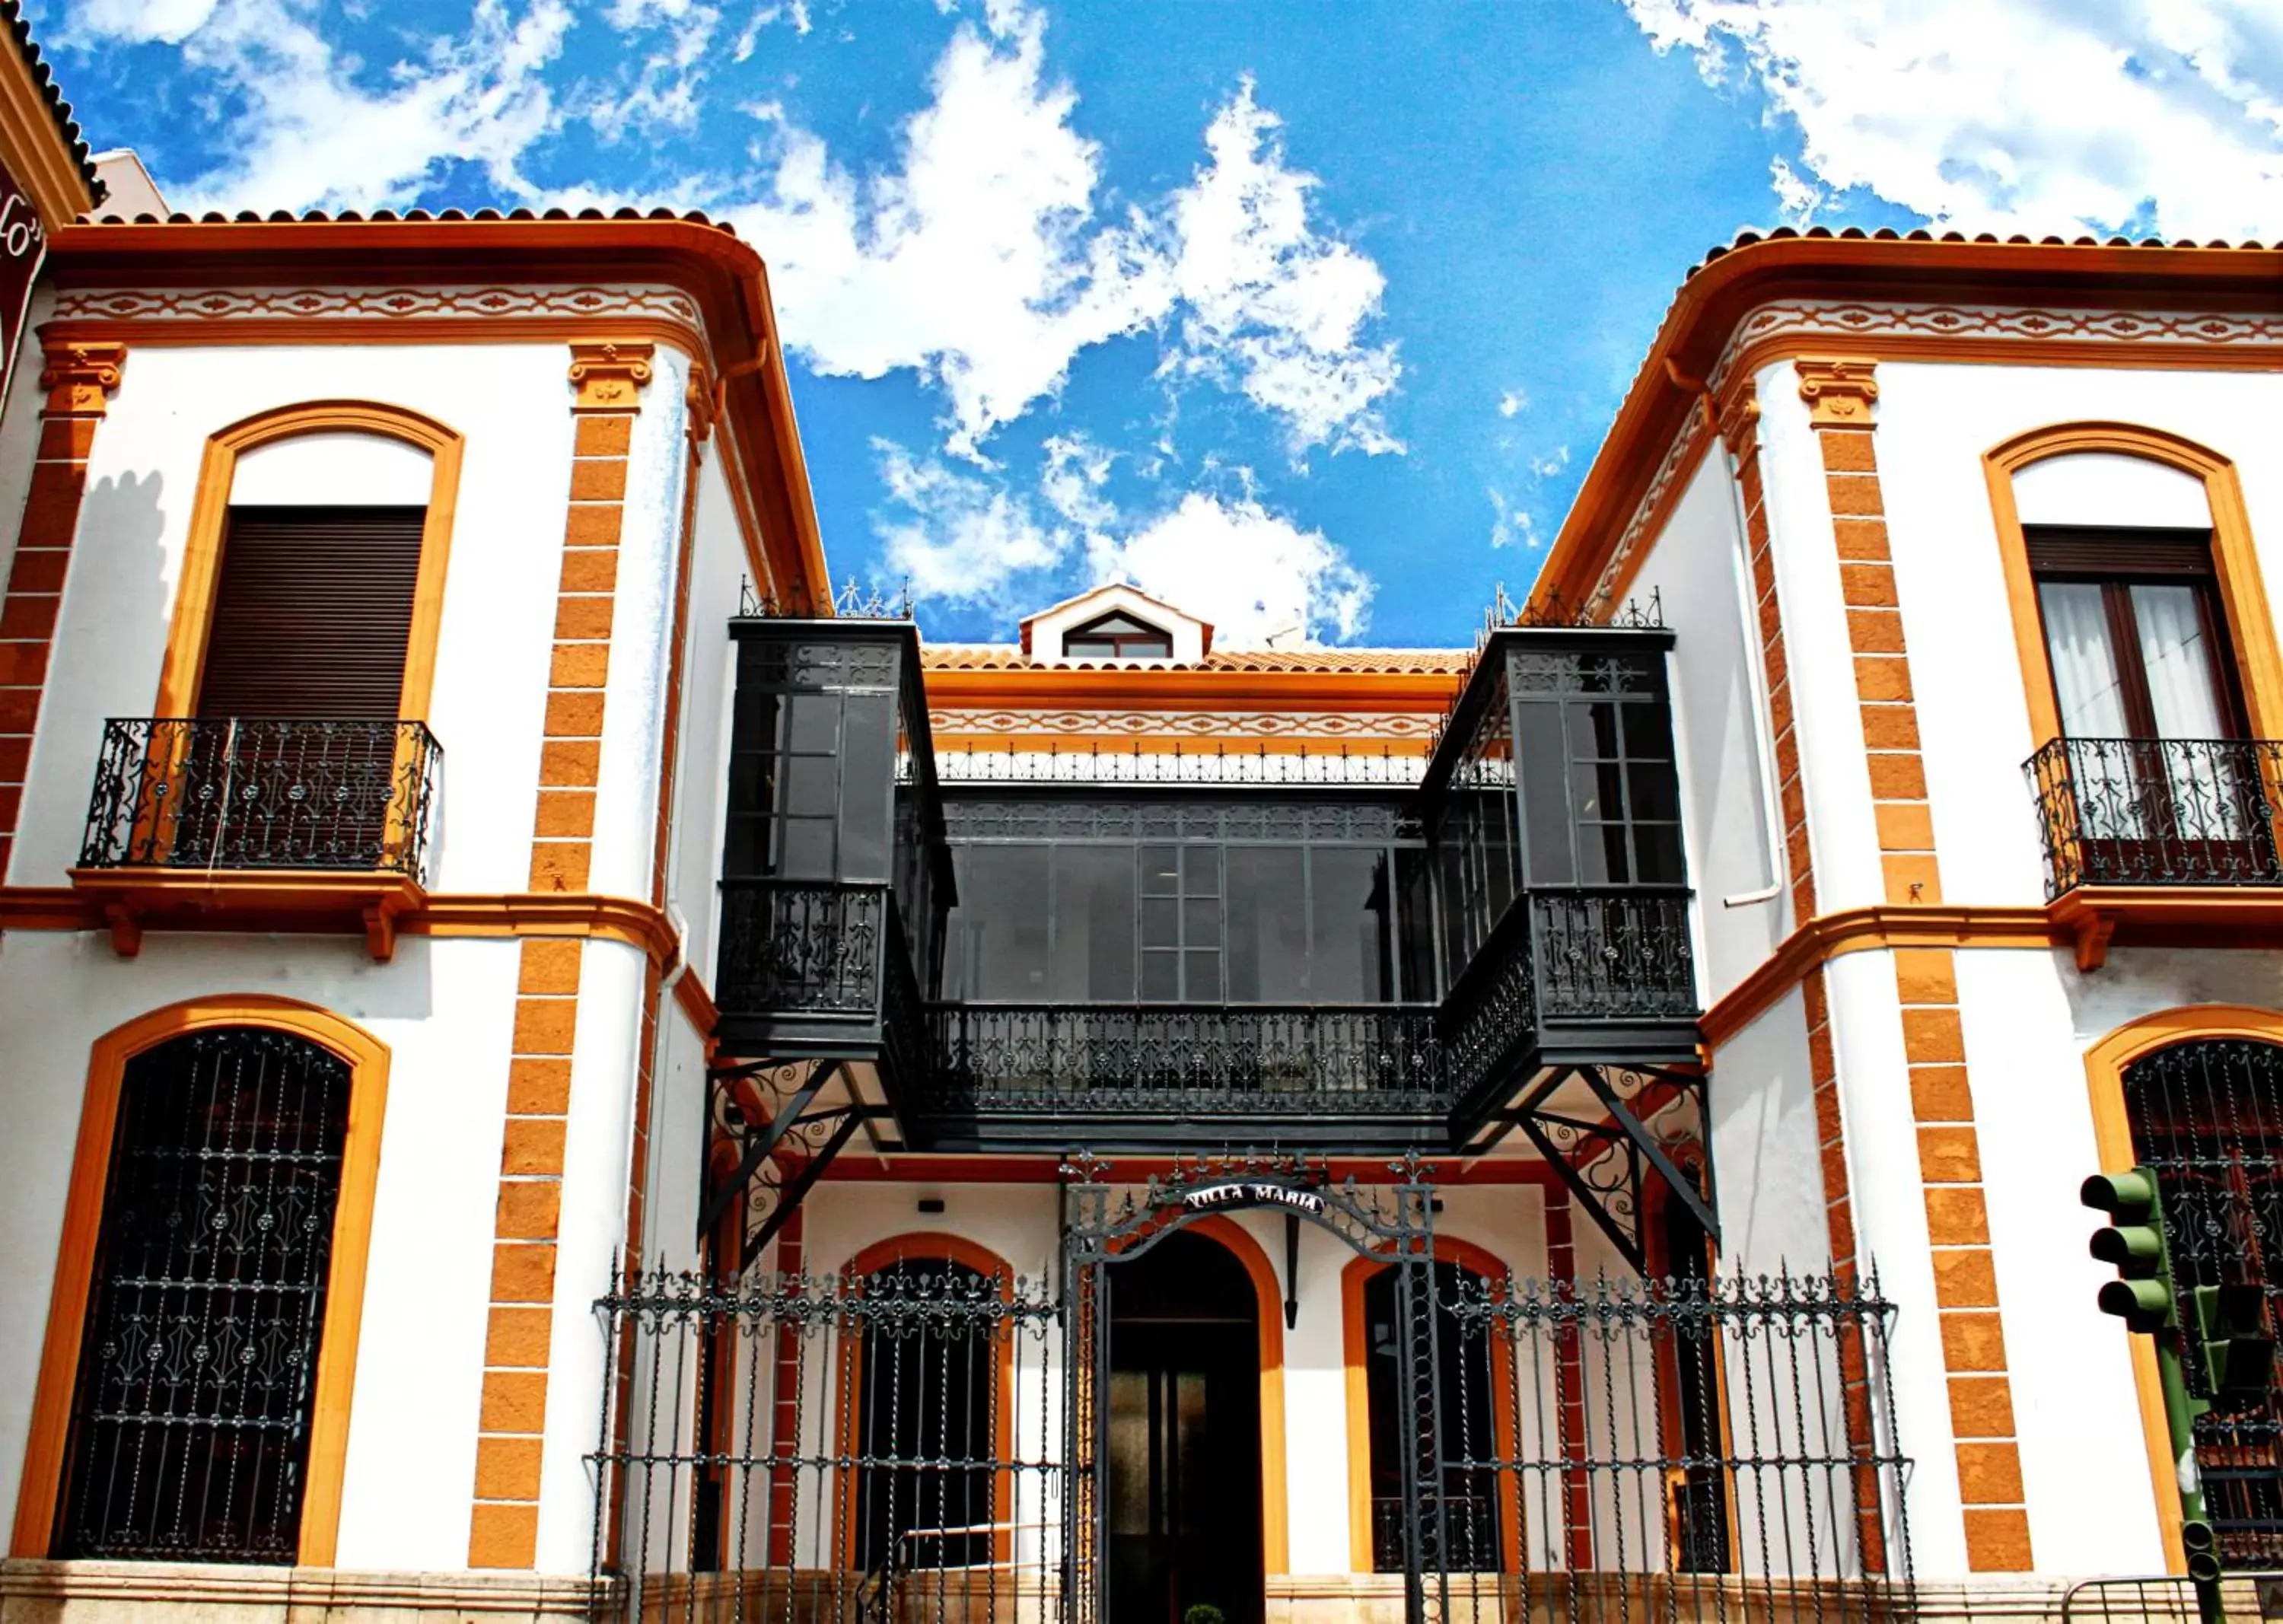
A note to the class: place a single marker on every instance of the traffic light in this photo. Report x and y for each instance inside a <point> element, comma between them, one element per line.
<point>2199,1543</point>
<point>2239,1355</point>
<point>2133,1243</point>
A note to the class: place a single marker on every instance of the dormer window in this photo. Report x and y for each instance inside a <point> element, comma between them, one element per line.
<point>1117,636</point>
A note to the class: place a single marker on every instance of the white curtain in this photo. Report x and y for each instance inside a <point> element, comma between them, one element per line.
<point>2084,665</point>
<point>2210,793</point>
<point>2112,802</point>
<point>2178,662</point>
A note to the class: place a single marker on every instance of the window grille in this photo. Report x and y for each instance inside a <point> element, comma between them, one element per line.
<point>198,1362</point>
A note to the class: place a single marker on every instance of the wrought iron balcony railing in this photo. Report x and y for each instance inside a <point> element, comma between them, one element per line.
<point>805,947</point>
<point>2158,811</point>
<point>258,793</point>
<point>810,962</point>
<point>1153,1057</point>
<point>1613,954</point>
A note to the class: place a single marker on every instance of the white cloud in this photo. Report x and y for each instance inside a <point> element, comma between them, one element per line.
<point>1511,524</point>
<point>987,261</point>
<point>2025,115</point>
<point>1797,198</point>
<point>1076,470</point>
<point>961,538</point>
<point>795,13</point>
<point>972,264</point>
<point>311,136</point>
<point>1271,303</point>
<point>1251,573</point>
<point>663,89</point>
<point>1512,400</point>
<point>136,22</point>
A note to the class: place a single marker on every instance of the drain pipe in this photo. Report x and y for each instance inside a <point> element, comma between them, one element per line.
<point>1756,675</point>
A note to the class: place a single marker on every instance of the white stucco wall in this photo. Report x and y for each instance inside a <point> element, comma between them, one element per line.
<point>1720,722</point>
<point>509,401</point>
<point>444,1009</point>
<point>444,1006</point>
<point>1842,834</point>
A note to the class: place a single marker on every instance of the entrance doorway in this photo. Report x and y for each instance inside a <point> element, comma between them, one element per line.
<point>1184,1438</point>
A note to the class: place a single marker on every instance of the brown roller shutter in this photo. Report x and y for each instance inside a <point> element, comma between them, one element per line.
<point>312,612</point>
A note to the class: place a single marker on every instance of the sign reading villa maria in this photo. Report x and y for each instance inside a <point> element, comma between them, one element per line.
<point>1253,1192</point>
<point>23,244</point>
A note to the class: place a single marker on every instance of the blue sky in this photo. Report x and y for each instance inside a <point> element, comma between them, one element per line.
<point>1305,314</point>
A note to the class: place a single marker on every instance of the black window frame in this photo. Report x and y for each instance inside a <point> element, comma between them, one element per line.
<point>2116,559</point>
<point>1148,641</point>
<point>1400,960</point>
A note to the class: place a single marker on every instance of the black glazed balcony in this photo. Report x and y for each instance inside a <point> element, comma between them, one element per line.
<point>820,969</point>
<point>261,794</point>
<point>1178,1073</point>
<point>2144,812</point>
<point>1579,976</point>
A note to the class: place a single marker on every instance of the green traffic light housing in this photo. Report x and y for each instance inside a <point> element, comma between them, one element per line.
<point>2239,1355</point>
<point>2134,1244</point>
<point>2128,1198</point>
<point>2199,1543</point>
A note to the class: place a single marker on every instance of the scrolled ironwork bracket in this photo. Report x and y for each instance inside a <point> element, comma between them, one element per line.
<point>763,1145</point>
<point>789,1198</point>
<point>1573,1147</point>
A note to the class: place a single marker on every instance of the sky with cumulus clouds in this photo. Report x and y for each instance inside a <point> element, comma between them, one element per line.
<point>1307,314</point>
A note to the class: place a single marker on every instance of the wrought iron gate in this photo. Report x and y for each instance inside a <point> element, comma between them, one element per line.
<point>926,1443</point>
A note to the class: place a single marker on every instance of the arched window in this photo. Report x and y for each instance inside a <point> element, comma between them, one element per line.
<point>927,1403</point>
<point>2207,1119</point>
<point>1465,1388</point>
<point>191,1411</point>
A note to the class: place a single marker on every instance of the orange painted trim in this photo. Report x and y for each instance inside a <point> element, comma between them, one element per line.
<point>918,1246</point>
<point>201,571</point>
<point>367,1058</point>
<point>919,1166</point>
<point>1356,1369</point>
<point>1076,747</point>
<point>1275,1492</point>
<point>508,914</point>
<point>2207,918</point>
<point>1490,1266</point>
<point>36,153</point>
<point>2235,558</point>
<point>2105,1063</point>
<point>722,275</point>
<point>1069,688</point>
<point>1716,299</point>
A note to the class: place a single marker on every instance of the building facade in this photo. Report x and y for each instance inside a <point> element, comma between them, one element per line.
<point>556,1068</point>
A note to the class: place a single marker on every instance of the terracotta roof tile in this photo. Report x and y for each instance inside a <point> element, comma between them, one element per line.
<point>11,14</point>
<point>1008,657</point>
<point>410,216</point>
<point>1888,234</point>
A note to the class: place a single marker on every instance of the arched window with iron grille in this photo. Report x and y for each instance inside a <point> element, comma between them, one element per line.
<point>927,1397</point>
<point>198,1368</point>
<point>2207,1119</point>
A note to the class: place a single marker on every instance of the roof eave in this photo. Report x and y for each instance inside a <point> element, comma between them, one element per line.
<point>1733,281</point>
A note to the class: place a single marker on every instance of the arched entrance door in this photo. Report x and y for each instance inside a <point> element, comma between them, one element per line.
<point>2207,1120</point>
<point>1183,1507</point>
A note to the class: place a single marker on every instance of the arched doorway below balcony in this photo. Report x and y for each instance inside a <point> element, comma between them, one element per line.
<point>1184,1509</point>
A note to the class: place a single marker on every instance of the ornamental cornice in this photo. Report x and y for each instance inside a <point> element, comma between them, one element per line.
<point>1966,331</point>
<point>1032,725</point>
<point>1820,324</point>
<point>406,313</point>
